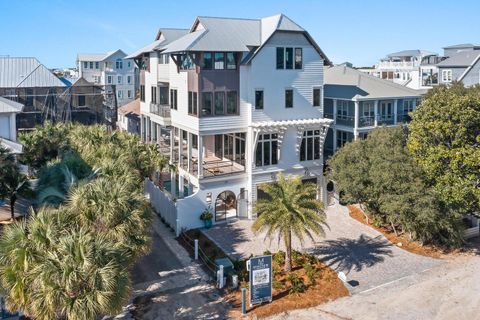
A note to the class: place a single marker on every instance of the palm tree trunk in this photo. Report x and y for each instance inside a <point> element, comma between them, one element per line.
<point>160,181</point>
<point>288,253</point>
<point>12,207</point>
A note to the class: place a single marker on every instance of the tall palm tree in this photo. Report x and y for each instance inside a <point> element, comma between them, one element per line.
<point>292,208</point>
<point>14,185</point>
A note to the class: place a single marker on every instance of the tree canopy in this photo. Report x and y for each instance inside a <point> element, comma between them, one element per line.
<point>379,173</point>
<point>444,139</point>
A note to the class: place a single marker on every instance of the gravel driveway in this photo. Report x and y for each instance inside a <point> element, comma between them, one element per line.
<point>362,253</point>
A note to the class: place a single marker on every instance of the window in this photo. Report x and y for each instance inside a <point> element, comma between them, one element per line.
<point>163,95</point>
<point>153,91</point>
<point>240,148</point>
<point>119,79</point>
<point>97,79</point>
<point>207,61</point>
<point>343,137</point>
<point>407,106</point>
<point>298,58</point>
<point>267,150</point>
<point>129,94</point>
<point>219,60</point>
<point>232,102</point>
<point>280,58</point>
<point>446,75</point>
<point>231,65</point>
<point>186,62</point>
<point>81,101</point>
<point>109,79</point>
<point>85,64</point>
<point>342,109</point>
<point>91,64</point>
<point>173,99</point>
<point>219,103</point>
<point>192,103</point>
<point>129,79</point>
<point>288,98</point>
<point>164,59</point>
<point>120,94</point>
<point>142,93</point>
<point>206,103</point>
<point>317,97</point>
<point>119,64</point>
<point>129,64</point>
<point>258,99</point>
<point>288,58</point>
<point>310,147</point>
<point>97,65</point>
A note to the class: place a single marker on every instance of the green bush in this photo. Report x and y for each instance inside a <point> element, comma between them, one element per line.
<point>267,253</point>
<point>277,284</point>
<point>311,272</point>
<point>297,285</point>
<point>297,257</point>
<point>279,258</point>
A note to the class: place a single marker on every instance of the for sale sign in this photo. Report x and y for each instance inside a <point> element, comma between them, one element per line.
<point>260,277</point>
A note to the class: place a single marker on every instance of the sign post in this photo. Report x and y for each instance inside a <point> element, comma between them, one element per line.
<point>260,276</point>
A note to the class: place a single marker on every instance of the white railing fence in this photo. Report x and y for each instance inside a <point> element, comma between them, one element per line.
<point>471,232</point>
<point>163,205</point>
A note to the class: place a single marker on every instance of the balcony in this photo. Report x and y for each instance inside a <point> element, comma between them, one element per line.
<point>387,119</point>
<point>366,121</point>
<point>328,115</point>
<point>345,120</point>
<point>160,110</point>
<point>397,65</point>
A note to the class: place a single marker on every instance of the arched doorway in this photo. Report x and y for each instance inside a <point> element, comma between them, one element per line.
<point>225,206</point>
<point>330,193</point>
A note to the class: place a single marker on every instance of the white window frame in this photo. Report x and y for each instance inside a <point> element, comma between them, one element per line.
<point>129,94</point>
<point>120,94</point>
<point>447,75</point>
<point>119,79</point>
<point>313,95</point>
<point>118,64</point>
<point>85,64</point>
<point>342,109</point>
<point>129,79</point>
<point>261,140</point>
<point>371,109</point>
<point>311,134</point>
<point>109,79</point>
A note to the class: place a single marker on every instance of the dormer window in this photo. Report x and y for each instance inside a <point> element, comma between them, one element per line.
<point>289,58</point>
<point>119,64</point>
<point>231,65</point>
<point>207,61</point>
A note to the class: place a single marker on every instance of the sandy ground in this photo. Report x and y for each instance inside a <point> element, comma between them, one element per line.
<point>449,291</point>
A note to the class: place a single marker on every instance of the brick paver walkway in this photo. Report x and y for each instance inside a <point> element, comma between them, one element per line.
<point>362,253</point>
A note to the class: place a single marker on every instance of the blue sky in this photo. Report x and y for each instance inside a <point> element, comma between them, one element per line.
<point>360,31</point>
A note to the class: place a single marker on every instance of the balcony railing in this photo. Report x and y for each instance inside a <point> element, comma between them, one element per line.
<point>160,110</point>
<point>345,120</point>
<point>397,65</point>
<point>385,119</point>
<point>366,121</point>
<point>328,115</point>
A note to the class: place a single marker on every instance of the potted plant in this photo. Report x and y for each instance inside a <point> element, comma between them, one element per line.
<point>206,217</point>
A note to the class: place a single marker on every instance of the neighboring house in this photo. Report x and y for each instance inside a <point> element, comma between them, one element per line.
<point>8,126</point>
<point>462,64</point>
<point>415,69</point>
<point>83,102</point>
<point>246,102</point>
<point>27,81</point>
<point>154,78</point>
<point>129,117</point>
<point>110,70</point>
<point>358,102</point>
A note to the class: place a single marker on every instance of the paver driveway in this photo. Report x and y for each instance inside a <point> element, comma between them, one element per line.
<point>362,253</point>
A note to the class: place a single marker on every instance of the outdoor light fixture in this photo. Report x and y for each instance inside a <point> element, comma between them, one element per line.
<point>209,198</point>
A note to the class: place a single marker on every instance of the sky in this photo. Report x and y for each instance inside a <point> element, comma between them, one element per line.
<point>361,31</point>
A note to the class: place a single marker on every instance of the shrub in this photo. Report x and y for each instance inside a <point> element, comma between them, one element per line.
<point>267,253</point>
<point>311,273</point>
<point>277,284</point>
<point>297,257</point>
<point>297,285</point>
<point>279,258</point>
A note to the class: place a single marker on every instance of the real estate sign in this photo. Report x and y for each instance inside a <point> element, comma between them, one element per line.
<point>260,277</point>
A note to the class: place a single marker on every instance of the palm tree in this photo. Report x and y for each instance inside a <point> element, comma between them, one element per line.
<point>292,208</point>
<point>14,185</point>
<point>160,163</point>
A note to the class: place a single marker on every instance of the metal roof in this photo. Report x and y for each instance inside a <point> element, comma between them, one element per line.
<point>462,46</point>
<point>97,57</point>
<point>26,72</point>
<point>412,53</point>
<point>346,83</point>
<point>13,146</point>
<point>9,106</point>
<point>460,59</point>
<point>164,37</point>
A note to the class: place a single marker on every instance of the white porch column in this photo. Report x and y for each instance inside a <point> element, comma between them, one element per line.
<point>334,111</point>
<point>200,156</point>
<point>149,130</point>
<point>180,147</point>
<point>395,111</point>
<point>356,119</point>
<point>159,133</point>
<point>142,128</point>
<point>180,186</point>
<point>375,110</point>
<point>172,143</point>
<point>13,126</point>
<point>189,151</point>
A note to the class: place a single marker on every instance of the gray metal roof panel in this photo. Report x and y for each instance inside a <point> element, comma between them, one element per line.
<point>7,105</point>
<point>346,83</point>
<point>411,53</point>
<point>17,72</point>
<point>460,59</point>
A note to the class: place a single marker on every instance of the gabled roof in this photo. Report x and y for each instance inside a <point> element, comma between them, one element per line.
<point>132,108</point>
<point>412,53</point>
<point>98,57</point>
<point>14,147</point>
<point>462,46</point>
<point>9,106</point>
<point>234,34</point>
<point>346,83</point>
<point>26,72</point>
<point>460,59</point>
<point>164,37</point>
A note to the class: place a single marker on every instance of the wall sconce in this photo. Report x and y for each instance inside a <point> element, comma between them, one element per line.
<point>209,198</point>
